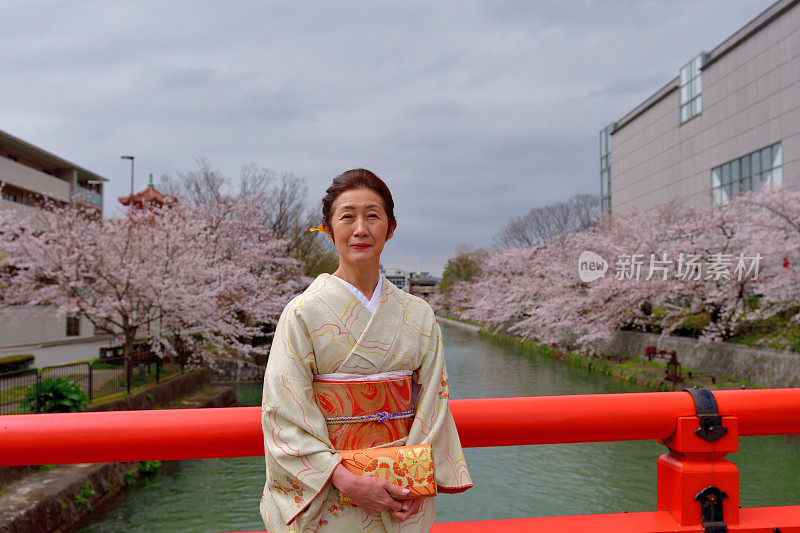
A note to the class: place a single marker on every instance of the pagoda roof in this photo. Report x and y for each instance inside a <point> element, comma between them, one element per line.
<point>149,195</point>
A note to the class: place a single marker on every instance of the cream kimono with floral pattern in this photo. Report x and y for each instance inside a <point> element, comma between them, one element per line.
<point>324,330</point>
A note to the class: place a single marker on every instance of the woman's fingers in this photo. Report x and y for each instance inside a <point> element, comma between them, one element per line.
<point>416,505</point>
<point>392,490</point>
<point>410,508</point>
<point>395,490</point>
<point>399,516</point>
<point>374,495</point>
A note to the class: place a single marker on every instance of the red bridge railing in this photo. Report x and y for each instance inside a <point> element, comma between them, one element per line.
<point>698,489</point>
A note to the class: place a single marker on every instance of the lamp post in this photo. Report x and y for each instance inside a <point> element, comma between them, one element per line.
<point>127,356</point>
<point>131,158</point>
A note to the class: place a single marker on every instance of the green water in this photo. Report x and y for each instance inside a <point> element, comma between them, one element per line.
<point>510,482</point>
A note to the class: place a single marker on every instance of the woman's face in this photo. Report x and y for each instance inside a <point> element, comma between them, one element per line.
<point>360,224</point>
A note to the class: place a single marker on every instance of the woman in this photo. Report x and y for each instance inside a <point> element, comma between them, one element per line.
<point>354,321</point>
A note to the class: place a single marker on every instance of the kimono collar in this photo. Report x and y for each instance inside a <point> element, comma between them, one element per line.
<point>374,336</point>
<point>369,304</point>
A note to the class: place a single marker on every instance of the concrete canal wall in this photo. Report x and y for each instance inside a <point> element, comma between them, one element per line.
<point>458,324</point>
<point>232,370</point>
<point>763,366</point>
<point>63,497</point>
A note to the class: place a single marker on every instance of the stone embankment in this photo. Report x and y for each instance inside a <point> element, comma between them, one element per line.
<point>714,365</point>
<point>763,366</point>
<point>234,370</point>
<point>63,497</point>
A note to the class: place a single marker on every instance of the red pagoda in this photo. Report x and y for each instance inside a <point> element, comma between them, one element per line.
<point>149,196</point>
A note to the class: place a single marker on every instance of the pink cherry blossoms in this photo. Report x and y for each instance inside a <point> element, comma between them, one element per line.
<point>734,263</point>
<point>209,275</point>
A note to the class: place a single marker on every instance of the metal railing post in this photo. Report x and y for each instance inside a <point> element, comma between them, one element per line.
<point>695,481</point>
<point>38,391</point>
<point>90,365</point>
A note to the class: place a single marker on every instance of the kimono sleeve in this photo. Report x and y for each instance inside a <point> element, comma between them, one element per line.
<point>300,459</point>
<point>433,422</point>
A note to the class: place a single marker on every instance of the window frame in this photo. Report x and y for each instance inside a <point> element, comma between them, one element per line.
<point>605,168</point>
<point>690,89</point>
<point>747,173</point>
<point>73,326</point>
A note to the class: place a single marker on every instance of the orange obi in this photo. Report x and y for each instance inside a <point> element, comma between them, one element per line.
<point>365,411</point>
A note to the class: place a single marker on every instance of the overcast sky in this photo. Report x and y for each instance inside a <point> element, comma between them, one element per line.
<point>472,112</point>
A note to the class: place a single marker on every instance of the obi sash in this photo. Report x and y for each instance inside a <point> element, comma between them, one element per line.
<point>365,411</point>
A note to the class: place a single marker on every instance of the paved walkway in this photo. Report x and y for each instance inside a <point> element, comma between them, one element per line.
<point>58,355</point>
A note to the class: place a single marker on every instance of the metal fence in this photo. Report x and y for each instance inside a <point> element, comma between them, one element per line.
<point>21,390</point>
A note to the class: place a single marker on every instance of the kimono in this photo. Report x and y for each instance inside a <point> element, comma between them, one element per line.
<point>326,329</point>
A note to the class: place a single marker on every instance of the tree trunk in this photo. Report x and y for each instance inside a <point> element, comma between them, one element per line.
<point>127,350</point>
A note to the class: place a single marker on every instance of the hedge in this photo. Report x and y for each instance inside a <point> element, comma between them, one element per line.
<point>15,362</point>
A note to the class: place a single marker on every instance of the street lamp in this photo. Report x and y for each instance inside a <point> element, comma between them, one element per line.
<point>131,158</point>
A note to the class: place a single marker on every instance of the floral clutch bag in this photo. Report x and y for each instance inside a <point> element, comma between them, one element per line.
<point>410,467</point>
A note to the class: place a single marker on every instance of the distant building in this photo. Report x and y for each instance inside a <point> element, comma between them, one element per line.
<point>422,284</point>
<point>149,196</point>
<point>32,177</point>
<point>398,277</point>
<point>417,283</point>
<point>728,122</point>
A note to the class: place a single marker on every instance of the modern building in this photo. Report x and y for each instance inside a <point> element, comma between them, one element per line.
<point>30,178</point>
<point>728,122</point>
<point>422,284</point>
<point>400,278</point>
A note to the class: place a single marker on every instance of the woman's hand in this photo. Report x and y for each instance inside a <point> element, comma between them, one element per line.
<point>373,495</point>
<point>410,508</point>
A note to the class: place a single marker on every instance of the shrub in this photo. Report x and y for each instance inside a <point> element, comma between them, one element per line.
<point>15,362</point>
<point>693,325</point>
<point>130,477</point>
<point>149,468</point>
<point>56,395</point>
<point>83,498</point>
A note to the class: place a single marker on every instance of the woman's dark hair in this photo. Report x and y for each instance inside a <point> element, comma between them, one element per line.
<point>356,178</point>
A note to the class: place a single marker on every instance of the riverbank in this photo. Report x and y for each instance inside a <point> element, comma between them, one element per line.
<point>61,498</point>
<point>624,366</point>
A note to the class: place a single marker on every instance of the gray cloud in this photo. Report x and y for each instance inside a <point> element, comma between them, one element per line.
<point>473,112</point>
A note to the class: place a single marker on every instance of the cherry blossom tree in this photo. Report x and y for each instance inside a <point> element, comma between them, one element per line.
<point>773,220</point>
<point>667,258</point>
<point>210,275</point>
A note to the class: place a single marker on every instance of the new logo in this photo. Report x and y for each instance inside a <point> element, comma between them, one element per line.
<point>591,266</point>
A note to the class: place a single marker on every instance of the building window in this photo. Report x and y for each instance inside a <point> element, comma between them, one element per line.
<point>692,88</point>
<point>748,173</point>
<point>605,168</point>
<point>73,326</point>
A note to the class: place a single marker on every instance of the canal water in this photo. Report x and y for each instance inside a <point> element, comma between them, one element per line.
<point>510,482</point>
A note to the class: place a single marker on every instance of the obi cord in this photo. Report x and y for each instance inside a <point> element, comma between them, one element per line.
<point>383,416</point>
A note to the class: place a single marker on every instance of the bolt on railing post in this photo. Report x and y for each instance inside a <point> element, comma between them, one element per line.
<point>695,466</point>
